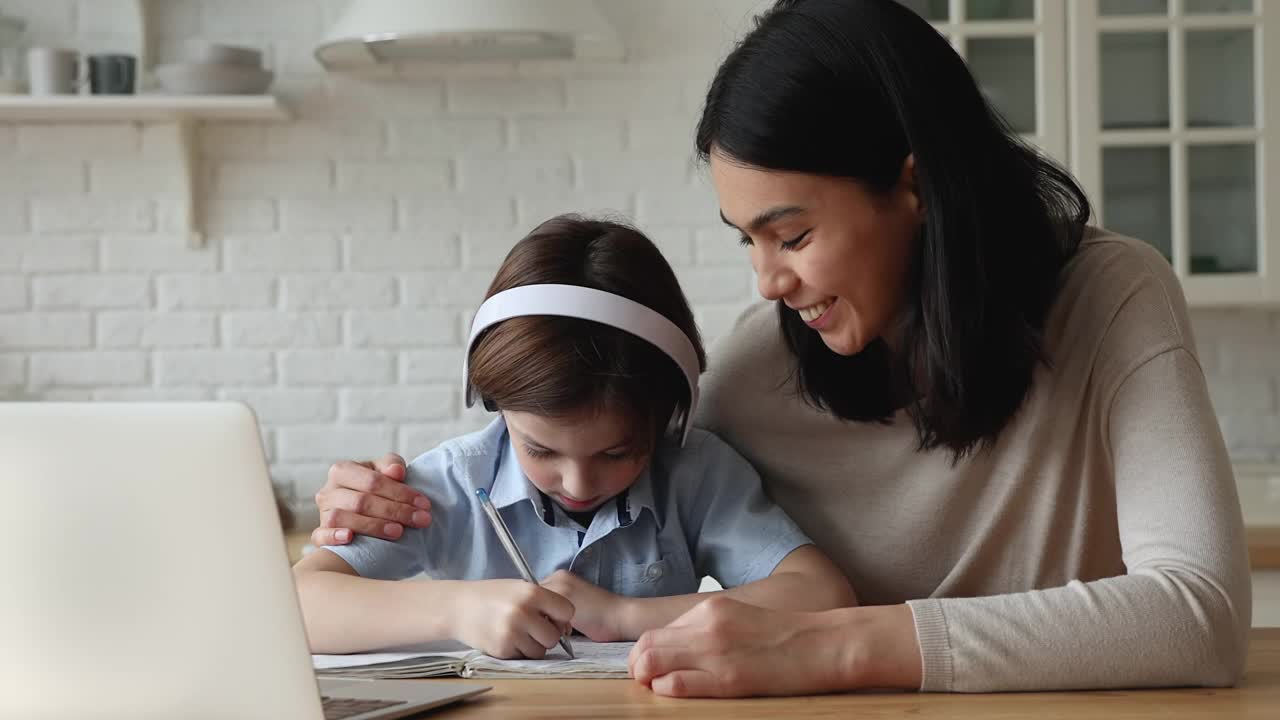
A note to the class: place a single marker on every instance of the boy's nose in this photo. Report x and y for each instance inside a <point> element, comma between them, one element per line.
<point>576,484</point>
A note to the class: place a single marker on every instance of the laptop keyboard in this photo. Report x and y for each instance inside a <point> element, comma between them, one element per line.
<point>339,708</point>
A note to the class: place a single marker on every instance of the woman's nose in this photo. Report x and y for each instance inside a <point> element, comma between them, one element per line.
<point>773,279</point>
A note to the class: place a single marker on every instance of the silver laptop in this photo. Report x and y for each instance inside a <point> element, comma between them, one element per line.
<point>146,574</point>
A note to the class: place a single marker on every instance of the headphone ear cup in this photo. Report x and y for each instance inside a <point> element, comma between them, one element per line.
<point>489,405</point>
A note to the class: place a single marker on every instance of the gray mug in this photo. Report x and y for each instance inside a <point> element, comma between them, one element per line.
<point>112,74</point>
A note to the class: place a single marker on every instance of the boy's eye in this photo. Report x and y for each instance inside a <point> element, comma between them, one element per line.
<point>534,452</point>
<point>616,456</point>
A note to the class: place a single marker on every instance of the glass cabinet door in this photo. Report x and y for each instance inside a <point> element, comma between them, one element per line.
<point>1167,135</point>
<point>1016,50</point>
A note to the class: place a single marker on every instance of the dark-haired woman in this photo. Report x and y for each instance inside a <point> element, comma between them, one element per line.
<point>988,413</point>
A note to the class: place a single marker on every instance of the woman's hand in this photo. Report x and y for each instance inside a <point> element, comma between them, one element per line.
<point>725,648</point>
<point>598,613</point>
<point>368,498</point>
<point>509,618</point>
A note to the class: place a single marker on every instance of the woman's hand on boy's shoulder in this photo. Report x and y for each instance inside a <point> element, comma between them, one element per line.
<point>368,498</point>
<point>598,613</point>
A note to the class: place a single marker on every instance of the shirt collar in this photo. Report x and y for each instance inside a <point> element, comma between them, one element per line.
<point>510,485</point>
<point>640,495</point>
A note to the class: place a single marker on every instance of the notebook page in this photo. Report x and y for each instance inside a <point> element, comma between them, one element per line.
<point>594,660</point>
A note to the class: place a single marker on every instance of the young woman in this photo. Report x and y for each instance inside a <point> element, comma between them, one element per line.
<point>988,414</point>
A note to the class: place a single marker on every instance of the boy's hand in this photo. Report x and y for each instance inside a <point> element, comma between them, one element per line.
<point>510,618</point>
<point>598,613</point>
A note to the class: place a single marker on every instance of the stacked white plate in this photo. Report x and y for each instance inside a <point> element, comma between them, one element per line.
<point>215,69</point>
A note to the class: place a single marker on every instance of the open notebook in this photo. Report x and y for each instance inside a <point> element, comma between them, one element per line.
<point>595,660</point>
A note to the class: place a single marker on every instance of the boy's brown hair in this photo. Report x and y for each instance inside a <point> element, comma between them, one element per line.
<point>557,366</point>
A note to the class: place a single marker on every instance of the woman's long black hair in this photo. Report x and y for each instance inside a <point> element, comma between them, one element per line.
<point>849,88</point>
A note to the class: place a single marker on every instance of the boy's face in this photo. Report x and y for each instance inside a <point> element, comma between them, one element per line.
<point>580,461</point>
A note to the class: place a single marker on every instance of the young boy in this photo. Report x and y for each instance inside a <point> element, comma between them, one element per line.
<point>588,349</point>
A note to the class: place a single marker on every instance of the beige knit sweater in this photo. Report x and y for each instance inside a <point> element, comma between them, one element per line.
<point>1098,544</point>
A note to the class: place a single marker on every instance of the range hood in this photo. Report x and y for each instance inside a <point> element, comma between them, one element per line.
<point>371,32</point>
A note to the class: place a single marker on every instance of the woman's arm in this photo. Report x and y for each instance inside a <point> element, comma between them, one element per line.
<point>346,613</point>
<point>724,648</point>
<point>804,581</point>
<point>1180,616</point>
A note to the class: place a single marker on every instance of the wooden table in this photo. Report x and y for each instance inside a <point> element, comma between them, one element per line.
<point>1264,547</point>
<point>1257,697</point>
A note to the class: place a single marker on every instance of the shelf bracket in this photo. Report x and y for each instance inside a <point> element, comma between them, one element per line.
<point>180,138</point>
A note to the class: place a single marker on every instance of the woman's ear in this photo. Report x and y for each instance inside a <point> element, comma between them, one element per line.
<point>907,182</point>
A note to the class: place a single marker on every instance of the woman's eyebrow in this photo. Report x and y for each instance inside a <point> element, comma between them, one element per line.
<point>768,216</point>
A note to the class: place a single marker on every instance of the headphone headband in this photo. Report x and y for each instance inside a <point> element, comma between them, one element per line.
<point>574,301</point>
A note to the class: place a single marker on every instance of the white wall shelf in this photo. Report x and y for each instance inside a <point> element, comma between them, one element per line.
<point>176,115</point>
<point>140,108</point>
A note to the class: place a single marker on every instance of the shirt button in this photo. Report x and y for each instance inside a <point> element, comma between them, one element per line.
<point>653,572</point>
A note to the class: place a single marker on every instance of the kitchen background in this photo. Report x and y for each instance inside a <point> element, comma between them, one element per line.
<point>347,247</point>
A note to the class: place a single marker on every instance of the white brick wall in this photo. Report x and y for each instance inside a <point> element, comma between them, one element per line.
<point>53,292</point>
<point>13,215</point>
<point>31,331</point>
<point>46,175</point>
<point>348,248</point>
<point>49,253</point>
<point>1240,351</point>
<point>13,292</point>
<point>215,368</point>
<point>97,368</point>
<point>215,291</point>
<point>157,330</point>
<point>152,252</point>
<point>278,329</point>
<point>92,213</point>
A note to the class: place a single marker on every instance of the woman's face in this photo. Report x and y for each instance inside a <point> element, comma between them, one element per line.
<point>835,253</point>
<point>580,461</point>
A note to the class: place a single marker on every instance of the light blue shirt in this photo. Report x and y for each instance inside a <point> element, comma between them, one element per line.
<point>695,511</point>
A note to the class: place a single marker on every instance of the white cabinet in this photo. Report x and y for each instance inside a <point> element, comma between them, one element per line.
<point>1016,50</point>
<point>1166,111</point>
<point>1172,107</point>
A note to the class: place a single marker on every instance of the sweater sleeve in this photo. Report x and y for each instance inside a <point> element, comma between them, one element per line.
<point>1180,616</point>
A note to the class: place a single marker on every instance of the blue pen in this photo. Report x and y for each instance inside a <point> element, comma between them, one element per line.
<point>517,557</point>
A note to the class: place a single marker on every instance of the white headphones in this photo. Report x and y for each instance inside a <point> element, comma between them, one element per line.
<point>589,304</point>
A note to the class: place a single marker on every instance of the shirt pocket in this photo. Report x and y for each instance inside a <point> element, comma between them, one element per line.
<point>657,578</point>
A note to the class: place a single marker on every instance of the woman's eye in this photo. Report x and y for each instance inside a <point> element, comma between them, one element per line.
<point>793,244</point>
<point>616,456</point>
<point>744,241</point>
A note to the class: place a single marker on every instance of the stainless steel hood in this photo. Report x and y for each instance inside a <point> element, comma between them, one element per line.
<point>371,32</point>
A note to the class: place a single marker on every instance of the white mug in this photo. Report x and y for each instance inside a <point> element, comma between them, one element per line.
<point>51,71</point>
